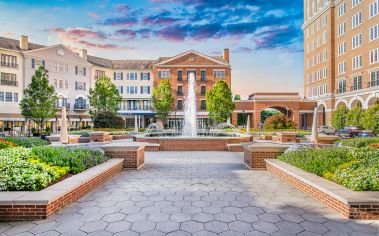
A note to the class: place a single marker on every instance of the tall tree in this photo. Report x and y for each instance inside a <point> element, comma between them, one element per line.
<point>237,97</point>
<point>104,97</point>
<point>39,99</point>
<point>339,117</point>
<point>370,119</point>
<point>354,116</point>
<point>163,101</point>
<point>219,102</point>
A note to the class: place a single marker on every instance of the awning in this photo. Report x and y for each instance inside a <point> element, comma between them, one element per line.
<point>85,118</point>
<point>11,117</point>
<point>73,118</point>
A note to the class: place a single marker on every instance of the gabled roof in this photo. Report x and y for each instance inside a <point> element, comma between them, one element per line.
<point>219,60</point>
<point>14,44</point>
<point>121,64</point>
<point>98,61</point>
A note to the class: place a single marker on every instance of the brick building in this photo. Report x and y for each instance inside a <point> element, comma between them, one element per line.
<point>207,70</point>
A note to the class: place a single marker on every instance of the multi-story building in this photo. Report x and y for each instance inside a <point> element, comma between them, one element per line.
<point>206,69</point>
<point>134,81</point>
<point>341,53</point>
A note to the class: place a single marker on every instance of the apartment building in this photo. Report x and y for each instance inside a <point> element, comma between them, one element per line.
<point>206,69</point>
<point>134,81</point>
<point>341,54</point>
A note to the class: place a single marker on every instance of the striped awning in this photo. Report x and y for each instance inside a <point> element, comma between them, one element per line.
<point>11,117</point>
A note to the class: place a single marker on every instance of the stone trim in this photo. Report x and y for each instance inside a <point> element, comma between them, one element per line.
<point>348,203</point>
<point>235,147</point>
<point>16,206</point>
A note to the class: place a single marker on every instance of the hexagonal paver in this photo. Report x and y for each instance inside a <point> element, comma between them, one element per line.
<point>180,217</point>
<point>152,233</point>
<point>113,217</point>
<point>253,210</point>
<point>289,227</point>
<point>142,226</point>
<point>167,226</point>
<point>212,210</point>
<point>204,233</point>
<point>216,226</point>
<point>93,226</point>
<point>179,233</point>
<point>313,227</point>
<point>240,226</point>
<point>136,217</point>
<point>69,226</point>
<point>269,217</point>
<point>265,227</point>
<point>44,227</point>
<point>158,217</point>
<point>232,210</point>
<point>231,233</point>
<point>246,217</point>
<point>191,226</point>
<point>202,217</point>
<point>224,217</point>
<point>118,226</point>
<point>291,217</point>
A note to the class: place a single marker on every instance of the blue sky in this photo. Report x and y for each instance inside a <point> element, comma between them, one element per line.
<point>264,36</point>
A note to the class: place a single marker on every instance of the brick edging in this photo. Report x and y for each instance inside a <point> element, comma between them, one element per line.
<point>350,211</point>
<point>17,212</point>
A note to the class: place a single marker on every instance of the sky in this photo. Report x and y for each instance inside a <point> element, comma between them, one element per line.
<point>264,36</point>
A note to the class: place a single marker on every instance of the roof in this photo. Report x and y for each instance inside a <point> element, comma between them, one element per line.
<point>98,61</point>
<point>218,59</point>
<point>14,44</point>
<point>121,64</point>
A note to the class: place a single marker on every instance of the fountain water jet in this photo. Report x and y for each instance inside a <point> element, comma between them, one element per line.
<point>190,121</point>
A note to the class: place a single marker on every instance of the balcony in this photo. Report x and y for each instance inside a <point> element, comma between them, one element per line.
<point>6,82</point>
<point>60,106</point>
<point>373,83</point>
<point>355,87</point>
<point>9,65</point>
<point>81,107</point>
<point>341,90</point>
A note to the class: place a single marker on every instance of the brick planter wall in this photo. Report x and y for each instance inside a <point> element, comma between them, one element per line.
<point>133,159</point>
<point>351,210</point>
<point>256,160</point>
<point>152,149</point>
<point>287,137</point>
<point>123,136</point>
<point>235,147</point>
<point>100,137</point>
<point>14,211</point>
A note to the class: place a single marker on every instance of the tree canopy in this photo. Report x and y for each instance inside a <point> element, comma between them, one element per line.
<point>339,117</point>
<point>219,102</point>
<point>370,119</point>
<point>39,99</point>
<point>104,97</point>
<point>163,100</point>
<point>237,97</point>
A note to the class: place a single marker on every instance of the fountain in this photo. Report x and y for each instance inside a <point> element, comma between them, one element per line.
<point>190,121</point>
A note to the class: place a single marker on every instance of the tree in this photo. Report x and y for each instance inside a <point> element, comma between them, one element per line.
<point>279,122</point>
<point>219,102</point>
<point>104,97</point>
<point>339,117</point>
<point>370,119</point>
<point>354,116</point>
<point>39,99</point>
<point>163,101</point>
<point>237,97</point>
<point>107,119</point>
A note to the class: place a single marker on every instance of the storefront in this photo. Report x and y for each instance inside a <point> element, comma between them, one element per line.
<point>12,123</point>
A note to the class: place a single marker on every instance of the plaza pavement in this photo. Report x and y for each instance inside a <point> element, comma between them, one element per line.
<point>194,193</point>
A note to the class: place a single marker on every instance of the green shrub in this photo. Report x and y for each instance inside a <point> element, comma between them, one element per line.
<point>76,159</point>
<point>16,153</point>
<point>359,142</point>
<point>6,144</point>
<point>317,161</point>
<point>108,120</point>
<point>27,142</point>
<point>81,133</point>
<point>279,121</point>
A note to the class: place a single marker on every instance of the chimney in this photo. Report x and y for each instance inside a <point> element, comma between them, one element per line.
<point>226,54</point>
<point>83,54</point>
<point>24,42</point>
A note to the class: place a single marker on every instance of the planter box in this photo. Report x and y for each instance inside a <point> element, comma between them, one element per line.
<point>36,205</point>
<point>287,137</point>
<point>131,153</point>
<point>349,203</point>
<point>100,137</point>
<point>255,154</point>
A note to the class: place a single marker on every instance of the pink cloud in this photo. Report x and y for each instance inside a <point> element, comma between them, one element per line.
<point>93,15</point>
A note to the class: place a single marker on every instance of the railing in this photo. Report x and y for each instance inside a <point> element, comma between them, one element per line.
<point>373,83</point>
<point>78,106</point>
<point>9,82</point>
<point>341,90</point>
<point>60,105</point>
<point>355,87</point>
<point>10,65</point>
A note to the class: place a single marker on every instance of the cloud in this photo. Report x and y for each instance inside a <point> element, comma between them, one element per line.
<point>243,50</point>
<point>93,15</point>
<point>122,7</point>
<point>129,34</point>
<point>121,21</point>
<point>162,18</point>
<point>99,45</point>
<point>75,34</point>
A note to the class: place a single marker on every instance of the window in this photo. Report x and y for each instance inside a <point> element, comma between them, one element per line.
<point>15,97</point>
<point>8,97</point>
<point>99,73</point>
<point>66,84</point>
<point>1,96</point>
<point>357,62</point>
<point>118,75</point>
<point>180,75</point>
<point>61,84</point>
<point>374,56</point>
<point>374,78</point>
<point>120,89</point>
<point>80,70</point>
<point>341,9</point>
<point>164,74</point>
<point>374,32</point>
<point>145,89</point>
<point>180,90</point>
<point>180,105</point>
<point>131,90</point>
<point>8,79</point>
<point>341,29</point>
<point>55,69</point>
<point>356,20</point>
<point>355,2</point>
<point>37,63</point>
<point>203,105</point>
<point>145,76</point>
<point>8,61</point>
<point>356,41</point>
<point>146,104</point>
<point>357,81</point>
<point>341,49</point>
<point>131,76</point>
<point>219,74</point>
<point>203,75</point>
<point>374,9</point>
<point>341,67</point>
<point>80,86</point>
<point>325,73</point>
<point>203,89</point>
<point>342,86</point>
<point>325,55</point>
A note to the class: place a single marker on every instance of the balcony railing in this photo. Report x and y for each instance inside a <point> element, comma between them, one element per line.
<point>9,65</point>
<point>373,83</point>
<point>9,82</point>
<point>355,87</point>
<point>60,105</point>
<point>341,90</point>
<point>81,107</point>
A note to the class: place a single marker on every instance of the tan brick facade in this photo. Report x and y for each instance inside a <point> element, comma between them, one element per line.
<point>256,160</point>
<point>133,159</point>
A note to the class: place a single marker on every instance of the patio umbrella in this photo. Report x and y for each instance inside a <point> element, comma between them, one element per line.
<point>135,124</point>
<point>248,124</point>
<point>314,135</point>
<point>64,134</point>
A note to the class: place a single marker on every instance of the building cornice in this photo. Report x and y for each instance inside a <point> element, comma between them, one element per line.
<point>331,4</point>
